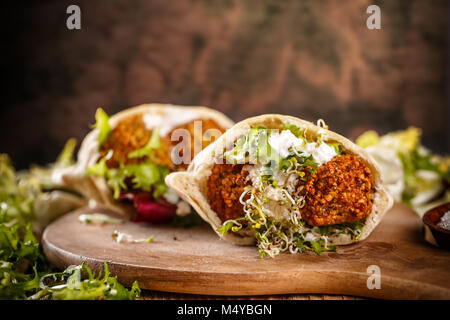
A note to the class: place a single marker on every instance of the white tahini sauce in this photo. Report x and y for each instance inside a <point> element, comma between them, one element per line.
<point>323,153</point>
<point>286,140</point>
<point>167,119</point>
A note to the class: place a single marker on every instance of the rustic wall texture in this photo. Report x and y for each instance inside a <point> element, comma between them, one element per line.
<point>311,59</point>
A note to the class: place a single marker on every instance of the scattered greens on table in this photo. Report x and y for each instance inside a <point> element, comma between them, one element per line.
<point>24,270</point>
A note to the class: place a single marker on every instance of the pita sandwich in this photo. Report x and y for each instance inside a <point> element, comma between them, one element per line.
<point>123,161</point>
<point>285,184</point>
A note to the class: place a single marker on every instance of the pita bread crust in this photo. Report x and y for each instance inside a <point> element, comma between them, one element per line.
<point>192,184</point>
<point>96,188</point>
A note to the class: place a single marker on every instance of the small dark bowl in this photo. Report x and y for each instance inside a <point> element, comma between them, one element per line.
<point>433,233</point>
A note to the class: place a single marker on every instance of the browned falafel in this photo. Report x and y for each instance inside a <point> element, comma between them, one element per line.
<point>225,186</point>
<point>131,134</point>
<point>339,192</point>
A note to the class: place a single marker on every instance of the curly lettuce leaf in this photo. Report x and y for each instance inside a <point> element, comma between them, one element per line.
<point>103,126</point>
<point>424,174</point>
<point>414,163</point>
<point>146,176</point>
<point>65,158</point>
<point>367,139</point>
<point>296,131</point>
<point>23,266</point>
<point>116,179</point>
<point>70,285</point>
<point>19,250</point>
<point>99,169</point>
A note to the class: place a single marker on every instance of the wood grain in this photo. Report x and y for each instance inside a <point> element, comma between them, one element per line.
<point>195,261</point>
<point>158,295</point>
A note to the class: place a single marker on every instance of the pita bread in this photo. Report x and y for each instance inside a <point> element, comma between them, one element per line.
<point>191,185</point>
<point>96,188</point>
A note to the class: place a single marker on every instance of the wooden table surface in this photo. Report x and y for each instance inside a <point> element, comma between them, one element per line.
<point>194,261</point>
<point>158,295</point>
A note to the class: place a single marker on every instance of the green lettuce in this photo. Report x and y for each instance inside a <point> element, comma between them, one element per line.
<point>153,143</point>
<point>412,163</point>
<point>145,176</point>
<point>296,131</point>
<point>367,139</point>
<point>23,266</point>
<point>255,148</point>
<point>103,126</point>
<point>414,158</point>
<point>65,158</point>
<point>70,285</point>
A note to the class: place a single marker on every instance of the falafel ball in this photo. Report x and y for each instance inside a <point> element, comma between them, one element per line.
<point>225,185</point>
<point>340,191</point>
<point>131,134</point>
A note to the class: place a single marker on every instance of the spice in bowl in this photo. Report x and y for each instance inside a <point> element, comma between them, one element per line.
<point>437,226</point>
<point>445,221</point>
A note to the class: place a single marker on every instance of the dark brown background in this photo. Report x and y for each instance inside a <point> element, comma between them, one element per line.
<point>312,59</point>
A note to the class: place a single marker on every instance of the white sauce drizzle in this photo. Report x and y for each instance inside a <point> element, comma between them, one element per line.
<point>167,119</point>
<point>285,142</point>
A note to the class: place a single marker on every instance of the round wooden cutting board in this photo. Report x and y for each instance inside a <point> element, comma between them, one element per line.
<point>194,260</point>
